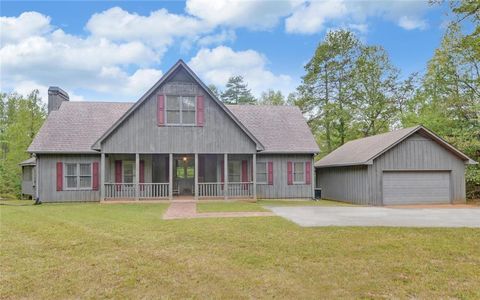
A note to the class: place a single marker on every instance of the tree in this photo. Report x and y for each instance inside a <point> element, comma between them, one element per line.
<point>20,119</point>
<point>272,97</point>
<point>237,92</point>
<point>326,92</point>
<point>377,91</point>
<point>215,90</point>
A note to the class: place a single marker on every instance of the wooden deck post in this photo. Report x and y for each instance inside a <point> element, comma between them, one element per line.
<point>170,176</point>
<point>102,177</point>
<point>254,173</point>
<point>196,176</point>
<point>225,176</point>
<point>137,176</point>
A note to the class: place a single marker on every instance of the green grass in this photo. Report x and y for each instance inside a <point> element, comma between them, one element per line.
<point>128,251</point>
<point>229,207</point>
<point>302,203</point>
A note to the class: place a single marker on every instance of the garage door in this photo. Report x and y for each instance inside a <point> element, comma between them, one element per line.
<point>416,187</point>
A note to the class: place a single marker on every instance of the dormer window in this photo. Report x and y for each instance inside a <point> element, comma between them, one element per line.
<point>180,110</point>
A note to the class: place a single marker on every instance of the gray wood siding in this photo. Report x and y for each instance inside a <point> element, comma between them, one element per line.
<point>419,153</point>
<point>280,188</point>
<point>139,133</point>
<point>47,179</point>
<point>348,184</point>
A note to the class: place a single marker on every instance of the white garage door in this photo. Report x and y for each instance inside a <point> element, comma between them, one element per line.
<point>416,187</point>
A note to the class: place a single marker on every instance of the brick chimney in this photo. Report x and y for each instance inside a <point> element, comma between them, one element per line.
<point>55,98</point>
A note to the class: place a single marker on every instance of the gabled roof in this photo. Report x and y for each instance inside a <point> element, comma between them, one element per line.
<point>28,162</point>
<point>179,64</point>
<point>281,129</point>
<point>364,151</point>
<point>76,126</point>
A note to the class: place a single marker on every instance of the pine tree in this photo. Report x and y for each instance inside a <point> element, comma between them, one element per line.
<point>237,92</point>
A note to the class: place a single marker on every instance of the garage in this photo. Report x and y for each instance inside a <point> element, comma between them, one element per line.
<point>416,188</point>
<point>403,167</point>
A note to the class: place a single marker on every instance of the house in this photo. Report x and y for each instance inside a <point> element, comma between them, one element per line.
<point>28,177</point>
<point>407,166</point>
<point>177,140</point>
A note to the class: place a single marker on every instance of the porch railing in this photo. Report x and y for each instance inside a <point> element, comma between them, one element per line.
<point>153,190</point>
<point>127,190</point>
<point>216,189</point>
<point>210,189</point>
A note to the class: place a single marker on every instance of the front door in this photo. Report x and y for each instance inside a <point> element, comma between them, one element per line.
<point>184,175</point>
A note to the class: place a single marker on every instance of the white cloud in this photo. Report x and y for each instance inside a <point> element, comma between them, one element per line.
<point>234,13</point>
<point>159,29</point>
<point>225,36</point>
<point>39,57</point>
<point>312,16</point>
<point>27,24</point>
<point>410,23</point>
<point>217,65</point>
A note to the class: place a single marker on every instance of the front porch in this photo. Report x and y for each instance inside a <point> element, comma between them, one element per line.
<point>177,176</point>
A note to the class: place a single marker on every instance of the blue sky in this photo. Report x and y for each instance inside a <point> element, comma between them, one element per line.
<point>116,50</point>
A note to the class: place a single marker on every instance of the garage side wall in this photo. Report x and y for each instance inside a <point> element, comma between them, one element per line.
<point>47,177</point>
<point>418,153</point>
<point>349,184</point>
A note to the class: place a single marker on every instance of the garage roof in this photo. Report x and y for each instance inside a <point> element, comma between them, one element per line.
<point>363,151</point>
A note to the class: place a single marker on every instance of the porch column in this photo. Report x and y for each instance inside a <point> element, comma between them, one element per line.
<point>102,177</point>
<point>254,179</point>
<point>225,175</point>
<point>170,176</point>
<point>137,176</point>
<point>313,177</point>
<point>196,176</point>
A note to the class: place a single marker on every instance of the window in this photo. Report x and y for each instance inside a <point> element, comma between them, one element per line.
<point>180,110</point>
<point>262,174</point>
<point>27,173</point>
<point>78,176</point>
<point>128,171</point>
<point>234,171</point>
<point>299,172</point>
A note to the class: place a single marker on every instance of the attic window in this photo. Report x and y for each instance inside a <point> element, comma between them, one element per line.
<point>180,110</point>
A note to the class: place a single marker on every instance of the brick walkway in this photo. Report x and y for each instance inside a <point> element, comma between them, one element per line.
<point>188,210</point>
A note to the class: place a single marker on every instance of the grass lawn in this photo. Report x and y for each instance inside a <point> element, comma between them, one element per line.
<point>302,203</point>
<point>229,206</point>
<point>128,251</point>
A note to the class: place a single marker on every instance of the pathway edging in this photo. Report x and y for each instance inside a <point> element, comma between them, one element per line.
<point>188,210</point>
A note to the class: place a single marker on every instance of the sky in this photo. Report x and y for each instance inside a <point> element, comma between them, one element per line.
<point>116,50</point>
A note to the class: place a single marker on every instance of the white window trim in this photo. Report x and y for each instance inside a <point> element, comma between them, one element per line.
<point>77,188</point>
<point>123,171</point>
<point>180,110</point>
<point>266,172</point>
<point>293,172</point>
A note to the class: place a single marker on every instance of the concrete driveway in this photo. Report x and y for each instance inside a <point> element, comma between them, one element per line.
<point>308,216</point>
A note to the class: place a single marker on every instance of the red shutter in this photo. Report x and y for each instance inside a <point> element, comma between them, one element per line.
<point>308,172</point>
<point>141,177</point>
<point>95,182</point>
<point>201,167</point>
<point>160,110</point>
<point>270,172</point>
<point>59,176</point>
<point>200,111</point>
<point>289,173</point>
<point>118,173</point>
<point>222,172</point>
<point>245,173</point>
